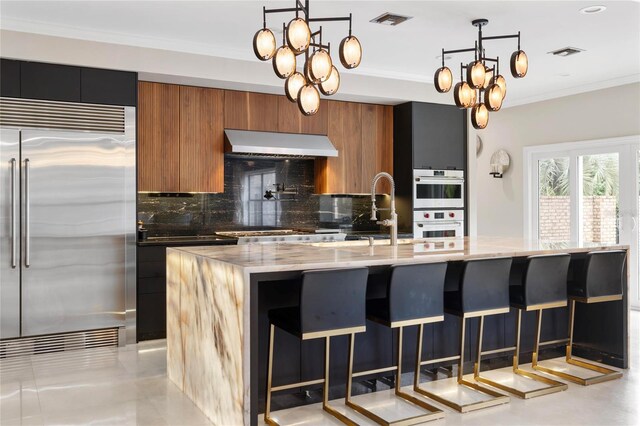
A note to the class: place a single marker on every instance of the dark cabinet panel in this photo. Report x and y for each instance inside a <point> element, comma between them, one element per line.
<point>49,81</point>
<point>10,80</point>
<point>439,138</point>
<point>108,86</point>
<point>152,316</point>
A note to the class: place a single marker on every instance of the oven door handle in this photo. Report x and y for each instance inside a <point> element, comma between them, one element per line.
<point>429,179</point>
<point>444,222</point>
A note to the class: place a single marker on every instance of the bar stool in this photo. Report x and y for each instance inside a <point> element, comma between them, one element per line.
<point>542,286</point>
<point>414,297</point>
<point>600,280</point>
<point>483,289</point>
<point>332,303</point>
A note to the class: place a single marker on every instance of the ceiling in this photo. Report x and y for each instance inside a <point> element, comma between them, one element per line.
<point>410,51</point>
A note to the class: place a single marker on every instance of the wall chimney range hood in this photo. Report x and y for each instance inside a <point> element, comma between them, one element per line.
<point>251,143</point>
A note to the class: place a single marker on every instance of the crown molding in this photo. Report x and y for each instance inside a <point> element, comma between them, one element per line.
<point>575,90</point>
<point>206,49</point>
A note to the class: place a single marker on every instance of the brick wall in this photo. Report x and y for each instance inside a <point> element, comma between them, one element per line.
<point>598,214</point>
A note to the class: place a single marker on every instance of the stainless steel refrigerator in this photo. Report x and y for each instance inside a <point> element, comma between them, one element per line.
<point>67,218</point>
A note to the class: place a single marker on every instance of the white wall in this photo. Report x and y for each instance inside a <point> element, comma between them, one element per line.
<point>497,204</point>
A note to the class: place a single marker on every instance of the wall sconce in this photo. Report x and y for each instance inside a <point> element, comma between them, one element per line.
<point>499,163</point>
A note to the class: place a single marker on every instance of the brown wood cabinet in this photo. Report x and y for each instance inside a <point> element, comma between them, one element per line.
<point>158,137</point>
<point>181,137</point>
<point>201,139</point>
<point>363,136</point>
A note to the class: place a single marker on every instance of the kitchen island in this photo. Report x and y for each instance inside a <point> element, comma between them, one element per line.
<point>217,298</point>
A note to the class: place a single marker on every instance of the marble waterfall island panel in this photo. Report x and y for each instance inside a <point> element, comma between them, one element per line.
<point>205,334</point>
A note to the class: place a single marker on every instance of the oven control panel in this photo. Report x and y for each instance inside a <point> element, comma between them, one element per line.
<point>437,215</point>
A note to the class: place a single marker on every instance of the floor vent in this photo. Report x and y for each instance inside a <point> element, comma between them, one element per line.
<point>11,349</point>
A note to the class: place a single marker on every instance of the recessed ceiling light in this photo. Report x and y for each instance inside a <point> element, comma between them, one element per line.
<point>563,74</point>
<point>566,51</point>
<point>446,57</point>
<point>592,10</point>
<point>392,19</point>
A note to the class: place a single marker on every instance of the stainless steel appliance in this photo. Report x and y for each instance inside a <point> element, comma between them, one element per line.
<point>67,218</point>
<point>438,189</point>
<point>438,223</point>
<point>282,236</point>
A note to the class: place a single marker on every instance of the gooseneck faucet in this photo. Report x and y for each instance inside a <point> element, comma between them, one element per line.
<point>392,223</point>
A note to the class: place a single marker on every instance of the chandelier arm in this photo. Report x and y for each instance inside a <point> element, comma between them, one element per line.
<point>331,19</point>
<point>501,37</point>
<point>445,52</point>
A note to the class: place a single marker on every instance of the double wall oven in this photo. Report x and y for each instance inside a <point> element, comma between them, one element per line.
<point>438,203</point>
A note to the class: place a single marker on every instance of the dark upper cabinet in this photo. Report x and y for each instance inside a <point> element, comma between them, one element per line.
<point>438,136</point>
<point>108,87</point>
<point>10,78</point>
<point>49,81</point>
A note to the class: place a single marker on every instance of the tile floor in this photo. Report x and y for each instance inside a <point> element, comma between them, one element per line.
<point>122,386</point>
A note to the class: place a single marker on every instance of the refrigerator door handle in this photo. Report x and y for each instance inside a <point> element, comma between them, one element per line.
<point>27,216</point>
<point>14,217</point>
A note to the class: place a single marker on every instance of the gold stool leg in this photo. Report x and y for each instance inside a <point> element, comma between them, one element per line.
<point>267,412</point>
<point>552,385</point>
<point>496,398</point>
<point>434,412</point>
<point>325,389</point>
<point>606,374</point>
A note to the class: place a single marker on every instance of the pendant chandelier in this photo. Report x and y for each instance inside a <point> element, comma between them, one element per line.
<point>319,74</point>
<point>484,88</point>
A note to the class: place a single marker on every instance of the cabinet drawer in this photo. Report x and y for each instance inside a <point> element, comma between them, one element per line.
<point>49,81</point>
<point>152,285</point>
<point>108,86</point>
<point>152,269</point>
<point>152,316</point>
<point>152,254</point>
<point>10,81</point>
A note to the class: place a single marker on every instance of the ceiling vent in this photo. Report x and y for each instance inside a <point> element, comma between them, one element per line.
<point>392,19</point>
<point>566,51</point>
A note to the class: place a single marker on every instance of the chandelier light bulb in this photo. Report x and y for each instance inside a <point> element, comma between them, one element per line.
<point>443,79</point>
<point>480,116</point>
<point>350,52</point>
<point>519,64</point>
<point>464,95</point>
<point>284,62</point>
<point>331,84</point>
<point>320,65</point>
<point>308,99</point>
<point>264,44</point>
<point>293,84</point>
<point>298,35</point>
<point>493,97</point>
<point>476,72</point>
<point>500,81</point>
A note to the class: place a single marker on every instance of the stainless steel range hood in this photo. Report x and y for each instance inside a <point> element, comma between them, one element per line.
<point>245,142</point>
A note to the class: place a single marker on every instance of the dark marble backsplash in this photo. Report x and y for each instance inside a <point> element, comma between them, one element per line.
<point>243,204</point>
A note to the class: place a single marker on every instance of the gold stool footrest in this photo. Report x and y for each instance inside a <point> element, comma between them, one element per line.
<point>496,397</point>
<point>552,385</point>
<point>434,413</point>
<point>606,374</point>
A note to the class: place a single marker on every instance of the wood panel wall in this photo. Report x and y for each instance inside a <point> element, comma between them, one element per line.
<point>201,139</point>
<point>363,135</point>
<point>181,137</point>
<point>158,136</point>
